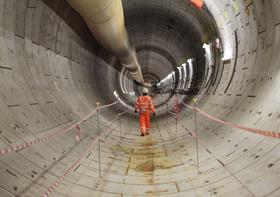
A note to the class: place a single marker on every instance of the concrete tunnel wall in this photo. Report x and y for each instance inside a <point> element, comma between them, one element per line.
<point>51,77</point>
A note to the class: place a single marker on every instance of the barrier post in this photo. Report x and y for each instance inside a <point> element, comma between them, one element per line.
<point>99,158</point>
<point>176,117</point>
<point>120,123</point>
<point>160,104</point>
<point>196,137</point>
<point>167,112</point>
<point>177,111</point>
<point>97,116</point>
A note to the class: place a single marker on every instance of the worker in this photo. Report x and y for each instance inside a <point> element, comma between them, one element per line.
<point>144,104</point>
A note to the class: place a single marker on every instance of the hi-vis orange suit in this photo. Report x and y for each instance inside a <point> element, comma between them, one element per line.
<point>144,104</point>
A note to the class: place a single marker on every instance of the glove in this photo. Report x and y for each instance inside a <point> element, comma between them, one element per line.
<point>135,111</point>
<point>154,114</point>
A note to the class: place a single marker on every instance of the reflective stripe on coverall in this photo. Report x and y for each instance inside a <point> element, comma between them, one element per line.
<point>144,104</point>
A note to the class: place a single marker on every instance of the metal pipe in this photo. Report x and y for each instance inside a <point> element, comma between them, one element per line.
<point>105,19</point>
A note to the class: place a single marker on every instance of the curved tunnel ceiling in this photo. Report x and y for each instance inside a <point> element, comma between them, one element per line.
<point>53,72</point>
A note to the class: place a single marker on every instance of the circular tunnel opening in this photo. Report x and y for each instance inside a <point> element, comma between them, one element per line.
<point>181,27</point>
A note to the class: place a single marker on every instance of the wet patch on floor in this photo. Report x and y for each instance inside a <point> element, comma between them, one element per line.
<point>148,143</point>
<point>156,192</point>
<point>149,158</point>
<point>121,149</point>
<point>149,166</point>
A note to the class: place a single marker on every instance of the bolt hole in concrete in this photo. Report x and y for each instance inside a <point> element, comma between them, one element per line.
<point>58,58</point>
<point>270,165</point>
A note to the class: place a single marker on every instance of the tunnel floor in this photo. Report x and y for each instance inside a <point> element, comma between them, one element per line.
<point>156,165</point>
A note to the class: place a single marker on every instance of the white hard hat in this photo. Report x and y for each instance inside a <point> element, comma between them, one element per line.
<point>145,91</point>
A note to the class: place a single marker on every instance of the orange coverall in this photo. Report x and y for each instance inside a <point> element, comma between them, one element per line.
<point>144,104</point>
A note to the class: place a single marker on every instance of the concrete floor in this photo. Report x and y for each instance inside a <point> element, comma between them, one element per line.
<point>52,73</point>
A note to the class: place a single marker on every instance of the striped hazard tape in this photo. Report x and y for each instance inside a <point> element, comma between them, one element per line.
<point>72,167</point>
<point>252,130</point>
<point>52,188</point>
<point>48,137</point>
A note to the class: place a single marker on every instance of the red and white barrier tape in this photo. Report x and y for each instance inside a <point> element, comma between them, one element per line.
<point>77,162</point>
<point>253,130</point>
<point>72,167</point>
<point>25,145</point>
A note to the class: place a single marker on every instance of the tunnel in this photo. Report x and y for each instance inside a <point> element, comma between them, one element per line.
<point>67,121</point>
